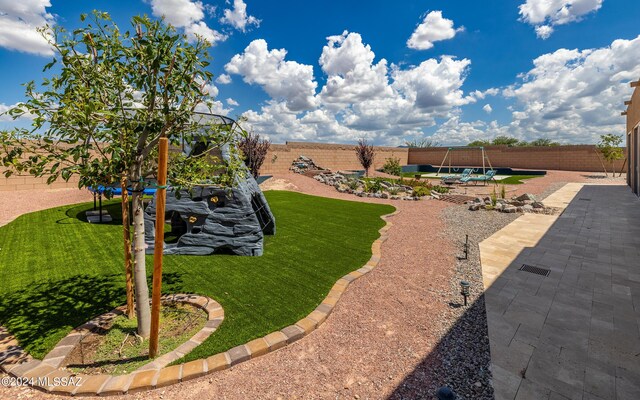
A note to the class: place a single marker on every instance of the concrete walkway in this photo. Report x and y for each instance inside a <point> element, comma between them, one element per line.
<point>574,334</point>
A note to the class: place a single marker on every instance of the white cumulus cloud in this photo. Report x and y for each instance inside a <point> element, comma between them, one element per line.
<point>362,97</point>
<point>281,79</point>
<point>433,28</point>
<point>4,117</point>
<point>223,79</point>
<point>238,17</point>
<point>545,14</point>
<point>576,95</point>
<point>232,102</point>
<point>487,108</point>
<point>18,23</point>
<point>352,76</point>
<point>188,15</point>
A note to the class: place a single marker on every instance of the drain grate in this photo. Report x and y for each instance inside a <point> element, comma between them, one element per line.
<point>583,199</point>
<point>535,270</point>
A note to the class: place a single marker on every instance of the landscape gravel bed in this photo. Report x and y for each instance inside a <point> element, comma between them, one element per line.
<point>397,333</point>
<point>462,356</point>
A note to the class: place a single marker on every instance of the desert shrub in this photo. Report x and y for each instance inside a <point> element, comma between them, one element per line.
<point>254,150</point>
<point>366,154</point>
<point>420,191</point>
<point>417,183</point>
<point>392,166</point>
<point>440,189</point>
<point>353,184</point>
<point>373,185</point>
<point>393,191</point>
<point>503,192</point>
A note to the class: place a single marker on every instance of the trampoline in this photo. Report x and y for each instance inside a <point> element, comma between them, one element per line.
<point>98,216</point>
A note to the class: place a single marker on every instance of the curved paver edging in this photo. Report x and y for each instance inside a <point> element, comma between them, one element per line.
<point>16,362</point>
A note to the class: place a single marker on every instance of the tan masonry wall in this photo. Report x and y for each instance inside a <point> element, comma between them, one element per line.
<point>331,156</point>
<point>565,158</point>
<point>343,157</point>
<point>27,182</point>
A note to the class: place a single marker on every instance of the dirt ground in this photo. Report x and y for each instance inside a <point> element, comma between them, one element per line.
<point>14,204</point>
<point>380,332</point>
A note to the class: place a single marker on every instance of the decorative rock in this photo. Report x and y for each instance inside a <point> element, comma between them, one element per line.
<point>303,164</point>
<point>527,207</point>
<point>215,219</point>
<point>474,207</point>
<point>519,209</point>
<point>537,204</point>
<point>509,209</point>
<point>526,196</point>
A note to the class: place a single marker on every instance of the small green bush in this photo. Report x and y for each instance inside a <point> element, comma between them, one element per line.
<point>353,184</point>
<point>420,191</point>
<point>393,191</point>
<point>440,189</point>
<point>373,185</point>
<point>392,166</point>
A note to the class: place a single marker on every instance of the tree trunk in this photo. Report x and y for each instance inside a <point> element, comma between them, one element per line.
<point>140,274</point>
<point>126,232</point>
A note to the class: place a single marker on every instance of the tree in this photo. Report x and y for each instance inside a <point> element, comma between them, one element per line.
<point>421,143</point>
<point>479,143</point>
<point>254,151</point>
<point>100,118</point>
<point>504,141</point>
<point>609,147</point>
<point>366,154</point>
<point>542,142</point>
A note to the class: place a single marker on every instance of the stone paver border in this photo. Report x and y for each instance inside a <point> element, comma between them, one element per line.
<point>15,361</point>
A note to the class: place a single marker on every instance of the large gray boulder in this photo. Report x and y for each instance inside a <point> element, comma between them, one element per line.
<point>212,219</point>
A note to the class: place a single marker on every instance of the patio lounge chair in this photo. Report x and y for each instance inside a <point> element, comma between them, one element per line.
<point>489,176</point>
<point>454,178</point>
<point>466,172</point>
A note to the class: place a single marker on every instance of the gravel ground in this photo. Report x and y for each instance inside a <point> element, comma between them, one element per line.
<point>14,204</point>
<point>398,332</point>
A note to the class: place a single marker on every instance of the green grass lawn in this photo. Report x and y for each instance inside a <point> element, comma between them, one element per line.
<point>517,179</point>
<point>58,271</point>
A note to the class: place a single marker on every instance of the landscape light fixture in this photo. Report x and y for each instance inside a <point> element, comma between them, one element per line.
<point>464,286</point>
<point>445,393</point>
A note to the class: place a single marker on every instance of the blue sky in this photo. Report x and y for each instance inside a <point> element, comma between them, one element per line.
<point>390,71</point>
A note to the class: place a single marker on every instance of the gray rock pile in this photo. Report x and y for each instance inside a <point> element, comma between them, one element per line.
<point>387,190</point>
<point>523,203</point>
<point>304,164</point>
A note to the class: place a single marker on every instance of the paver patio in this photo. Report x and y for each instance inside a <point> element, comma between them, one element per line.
<point>574,334</point>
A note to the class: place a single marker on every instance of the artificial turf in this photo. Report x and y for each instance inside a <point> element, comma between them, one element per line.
<point>57,271</point>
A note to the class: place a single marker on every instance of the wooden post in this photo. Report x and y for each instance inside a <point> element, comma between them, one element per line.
<point>126,232</point>
<point>161,194</point>
<point>443,161</point>
<point>624,164</point>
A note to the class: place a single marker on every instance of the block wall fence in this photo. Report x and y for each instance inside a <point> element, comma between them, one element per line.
<point>564,158</point>
<point>343,157</point>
